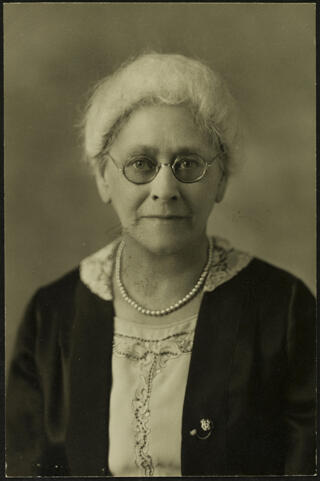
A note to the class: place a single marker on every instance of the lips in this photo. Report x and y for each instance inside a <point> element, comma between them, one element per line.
<point>165,217</point>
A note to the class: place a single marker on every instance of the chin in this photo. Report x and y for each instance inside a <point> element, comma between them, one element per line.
<point>164,244</point>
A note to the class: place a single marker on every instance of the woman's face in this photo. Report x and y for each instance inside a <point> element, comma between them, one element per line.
<point>164,215</point>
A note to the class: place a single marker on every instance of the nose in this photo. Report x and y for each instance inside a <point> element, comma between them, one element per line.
<point>165,186</point>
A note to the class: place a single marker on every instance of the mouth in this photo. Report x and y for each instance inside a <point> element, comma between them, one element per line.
<point>165,217</point>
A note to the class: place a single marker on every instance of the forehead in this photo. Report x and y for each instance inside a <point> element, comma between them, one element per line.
<point>161,128</point>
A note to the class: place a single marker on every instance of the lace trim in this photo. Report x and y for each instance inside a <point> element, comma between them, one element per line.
<point>96,270</point>
<point>152,356</point>
<point>226,263</point>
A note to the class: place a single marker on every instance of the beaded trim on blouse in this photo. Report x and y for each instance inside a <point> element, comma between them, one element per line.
<point>96,270</point>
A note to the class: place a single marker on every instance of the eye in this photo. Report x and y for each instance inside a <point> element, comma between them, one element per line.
<point>143,164</point>
<point>188,163</point>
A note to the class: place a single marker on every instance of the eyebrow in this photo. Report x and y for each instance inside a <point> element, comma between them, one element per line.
<point>146,149</point>
<point>153,151</point>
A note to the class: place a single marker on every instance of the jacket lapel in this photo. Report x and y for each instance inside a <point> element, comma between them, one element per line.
<point>209,374</point>
<point>89,384</point>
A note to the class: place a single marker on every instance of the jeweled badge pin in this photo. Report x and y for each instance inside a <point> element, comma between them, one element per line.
<point>205,429</point>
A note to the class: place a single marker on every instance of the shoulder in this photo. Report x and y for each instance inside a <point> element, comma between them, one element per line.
<point>93,274</point>
<point>242,268</point>
<point>255,270</point>
<point>269,280</point>
<point>82,285</point>
<point>51,306</point>
<point>271,305</point>
<point>275,296</point>
<point>60,292</point>
<point>261,273</point>
<point>268,287</point>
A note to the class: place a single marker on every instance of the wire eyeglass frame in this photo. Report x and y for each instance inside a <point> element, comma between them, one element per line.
<point>171,164</point>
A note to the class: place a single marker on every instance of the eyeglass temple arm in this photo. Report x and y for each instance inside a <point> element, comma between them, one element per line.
<point>114,162</point>
<point>217,156</point>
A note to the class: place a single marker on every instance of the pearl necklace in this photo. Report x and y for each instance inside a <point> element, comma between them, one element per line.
<point>161,312</point>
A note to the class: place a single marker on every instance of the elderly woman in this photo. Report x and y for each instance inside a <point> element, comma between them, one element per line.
<point>167,352</point>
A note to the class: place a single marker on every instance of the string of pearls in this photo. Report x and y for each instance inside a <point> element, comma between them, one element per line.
<point>161,312</point>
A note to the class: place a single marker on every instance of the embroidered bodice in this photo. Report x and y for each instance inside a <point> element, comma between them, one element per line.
<point>150,368</point>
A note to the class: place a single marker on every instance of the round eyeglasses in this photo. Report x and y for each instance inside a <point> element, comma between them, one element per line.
<point>187,168</point>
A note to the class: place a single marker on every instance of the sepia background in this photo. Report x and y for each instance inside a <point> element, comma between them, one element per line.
<point>53,53</point>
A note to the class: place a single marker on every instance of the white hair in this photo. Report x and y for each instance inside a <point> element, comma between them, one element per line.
<point>167,79</point>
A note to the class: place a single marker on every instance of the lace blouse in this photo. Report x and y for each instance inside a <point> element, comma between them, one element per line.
<point>149,370</point>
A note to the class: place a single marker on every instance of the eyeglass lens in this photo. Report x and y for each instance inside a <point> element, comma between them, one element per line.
<point>189,168</point>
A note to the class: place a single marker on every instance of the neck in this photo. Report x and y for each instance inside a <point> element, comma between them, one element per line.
<point>161,278</point>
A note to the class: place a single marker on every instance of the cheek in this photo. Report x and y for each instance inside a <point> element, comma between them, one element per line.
<point>126,198</point>
<point>203,198</point>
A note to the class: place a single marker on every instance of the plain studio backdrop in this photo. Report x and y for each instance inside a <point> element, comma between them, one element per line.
<point>53,53</point>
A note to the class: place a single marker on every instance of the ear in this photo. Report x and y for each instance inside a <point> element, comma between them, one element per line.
<point>221,189</point>
<point>102,184</point>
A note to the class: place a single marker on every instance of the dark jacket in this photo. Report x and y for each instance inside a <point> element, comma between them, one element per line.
<point>251,374</point>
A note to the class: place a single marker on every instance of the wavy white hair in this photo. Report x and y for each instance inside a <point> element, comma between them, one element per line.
<point>167,79</point>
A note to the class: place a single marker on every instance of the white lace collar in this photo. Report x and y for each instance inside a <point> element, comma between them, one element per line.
<point>96,270</point>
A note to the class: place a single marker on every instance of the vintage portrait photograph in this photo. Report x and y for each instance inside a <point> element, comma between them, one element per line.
<point>160,239</point>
